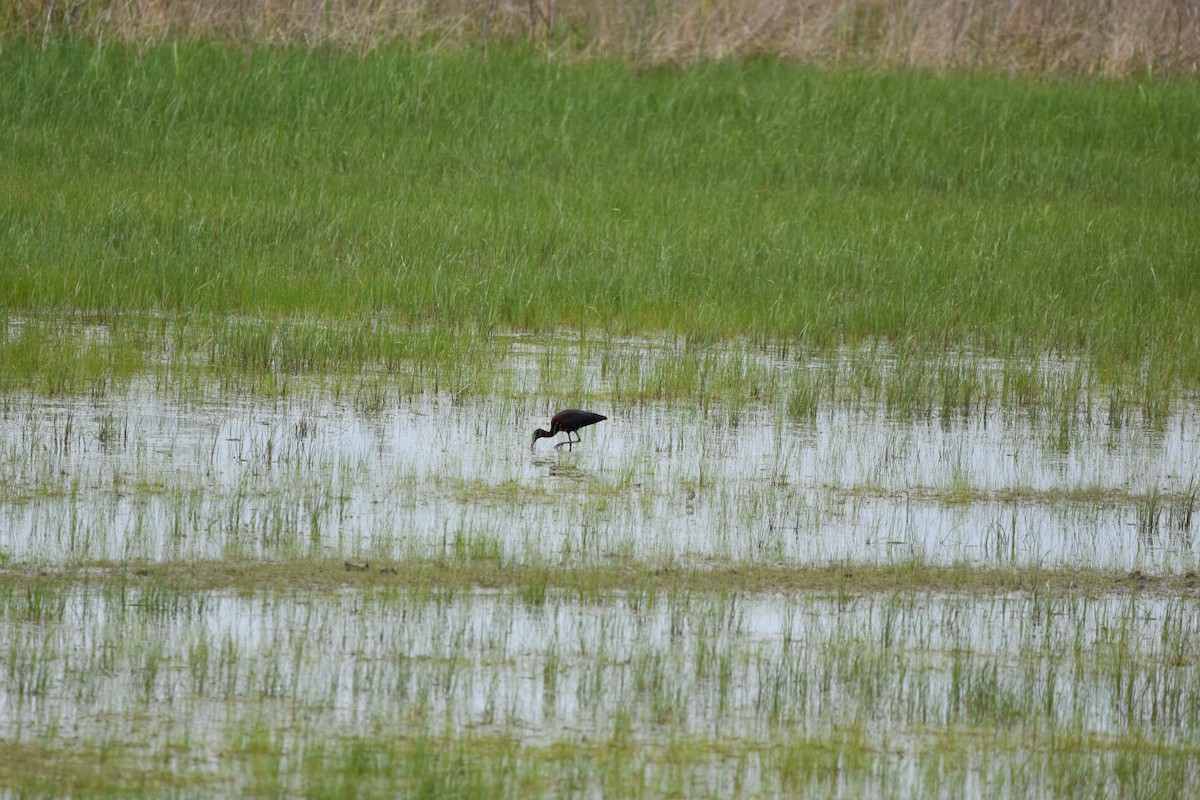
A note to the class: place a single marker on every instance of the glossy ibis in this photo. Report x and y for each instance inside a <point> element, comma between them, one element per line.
<point>567,421</point>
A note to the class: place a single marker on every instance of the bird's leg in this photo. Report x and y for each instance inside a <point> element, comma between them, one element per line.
<point>570,442</point>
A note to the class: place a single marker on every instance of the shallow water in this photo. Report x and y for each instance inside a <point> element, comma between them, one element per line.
<point>199,671</point>
<point>204,680</point>
<point>149,476</point>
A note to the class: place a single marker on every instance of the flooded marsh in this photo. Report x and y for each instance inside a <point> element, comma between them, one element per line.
<point>295,592</point>
<point>730,693</point>
<point>896,494</point>
<point>150,475</point>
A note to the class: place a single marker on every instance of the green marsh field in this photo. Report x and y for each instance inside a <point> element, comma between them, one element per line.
<point>896,496</point>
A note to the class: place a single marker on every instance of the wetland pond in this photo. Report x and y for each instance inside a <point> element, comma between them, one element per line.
<point>730,677</point>
<point>151,476</point>
<point>769,692</point>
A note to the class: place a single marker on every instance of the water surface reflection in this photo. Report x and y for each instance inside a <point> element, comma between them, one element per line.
<point>147,476</point>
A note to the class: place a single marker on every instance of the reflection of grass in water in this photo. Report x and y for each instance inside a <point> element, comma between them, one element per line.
<point>375,365</point>
<point>1178,508</point>
<point>664,680</point>
<point>85,482</point>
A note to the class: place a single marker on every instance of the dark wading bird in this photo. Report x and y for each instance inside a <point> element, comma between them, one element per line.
<point>567,421</point>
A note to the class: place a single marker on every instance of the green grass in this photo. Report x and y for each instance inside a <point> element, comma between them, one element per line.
<point>37,593</point>
<point>732,201</point>
<point>259,762</point>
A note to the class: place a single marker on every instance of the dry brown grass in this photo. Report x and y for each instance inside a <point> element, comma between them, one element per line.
<point>1010,36</point>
